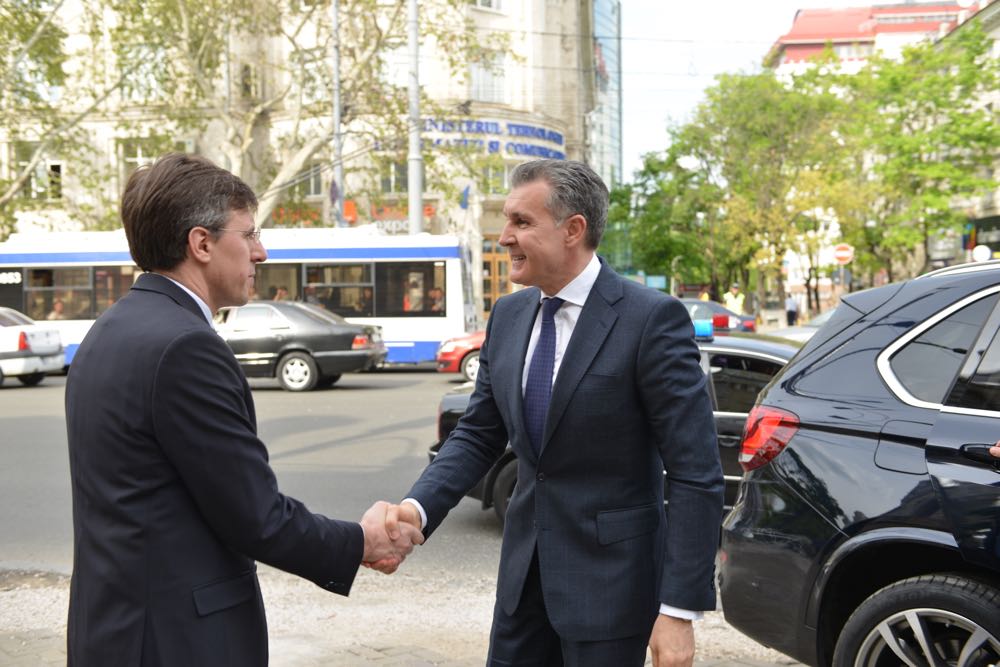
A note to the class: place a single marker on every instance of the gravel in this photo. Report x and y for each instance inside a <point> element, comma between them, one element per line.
<point>438,610</point>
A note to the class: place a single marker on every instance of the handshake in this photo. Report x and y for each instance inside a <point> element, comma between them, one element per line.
<point>391,532</point>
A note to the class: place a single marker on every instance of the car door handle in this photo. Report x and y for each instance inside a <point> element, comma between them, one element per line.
<point>980,453</point>
<point>730,440</point>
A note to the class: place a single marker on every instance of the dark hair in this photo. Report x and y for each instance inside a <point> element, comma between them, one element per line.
<point>163,201</point>
<point>576,189</point>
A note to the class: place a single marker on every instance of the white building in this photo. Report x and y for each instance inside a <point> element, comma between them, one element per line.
<point>554,93</point>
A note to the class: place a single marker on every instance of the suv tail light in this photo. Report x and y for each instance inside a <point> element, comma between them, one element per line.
<point>22,343</point>
<point>766,433</point>
<point>361,342</point>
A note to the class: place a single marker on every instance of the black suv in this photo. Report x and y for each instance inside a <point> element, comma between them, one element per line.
<point>867,526</point>
<point>739,366</point>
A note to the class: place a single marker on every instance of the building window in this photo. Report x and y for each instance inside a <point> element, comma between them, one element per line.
<point>309,183</point>
<point>141,74</point>
<point>250,88</point>
<point>45,180</point>
<point>487,80</point>
<point>495,180</point>
<point>486,4</point>
<point>135,152</point>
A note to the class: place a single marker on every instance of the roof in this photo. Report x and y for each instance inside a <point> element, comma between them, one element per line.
<point>816,27</point>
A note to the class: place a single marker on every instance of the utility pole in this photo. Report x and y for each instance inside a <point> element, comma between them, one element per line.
<point>337,191</point>
<point>415,181</point>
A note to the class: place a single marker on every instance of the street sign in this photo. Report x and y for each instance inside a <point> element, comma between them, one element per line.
<point>843,253</point>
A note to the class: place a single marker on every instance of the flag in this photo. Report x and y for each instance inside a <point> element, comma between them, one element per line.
<point>463,202</point>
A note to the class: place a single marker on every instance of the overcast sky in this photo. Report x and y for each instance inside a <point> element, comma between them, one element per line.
<point>672,50</point>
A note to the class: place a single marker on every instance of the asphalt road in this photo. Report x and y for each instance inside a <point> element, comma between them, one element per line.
<point>338,450</point>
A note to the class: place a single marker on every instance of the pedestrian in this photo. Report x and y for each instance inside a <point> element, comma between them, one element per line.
<point>592,568</point>
<point>704,295</point>
<point>173,496</point>
<point>733,299</point>
<point>791,310</point>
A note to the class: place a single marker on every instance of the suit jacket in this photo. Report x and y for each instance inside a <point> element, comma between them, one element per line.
<point>173,496</point>
<point>629,401</point>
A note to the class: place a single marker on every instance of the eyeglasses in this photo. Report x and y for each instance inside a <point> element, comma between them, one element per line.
<point>251,235</point>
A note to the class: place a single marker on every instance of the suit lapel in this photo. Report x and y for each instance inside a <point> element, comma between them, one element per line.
<point>592,329</point>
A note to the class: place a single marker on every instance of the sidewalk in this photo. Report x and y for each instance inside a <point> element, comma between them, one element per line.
<point>38,649</point>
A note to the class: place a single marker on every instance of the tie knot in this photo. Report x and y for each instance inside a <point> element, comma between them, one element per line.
<point>549,307</point>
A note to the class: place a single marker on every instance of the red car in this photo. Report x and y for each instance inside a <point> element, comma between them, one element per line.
<point>461,355</point>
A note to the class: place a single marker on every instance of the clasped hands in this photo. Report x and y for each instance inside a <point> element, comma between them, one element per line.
<point>391,532</point>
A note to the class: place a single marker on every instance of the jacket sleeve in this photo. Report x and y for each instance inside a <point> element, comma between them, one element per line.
<point>203,422</point>
<point>674,393</point>
<point>468,453</point>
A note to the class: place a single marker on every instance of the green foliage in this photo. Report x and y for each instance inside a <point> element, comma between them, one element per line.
<point>767,165</point>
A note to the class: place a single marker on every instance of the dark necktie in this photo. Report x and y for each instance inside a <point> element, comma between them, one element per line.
<point>539,386</point>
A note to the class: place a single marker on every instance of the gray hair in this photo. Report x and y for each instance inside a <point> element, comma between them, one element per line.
<point>576,189</point>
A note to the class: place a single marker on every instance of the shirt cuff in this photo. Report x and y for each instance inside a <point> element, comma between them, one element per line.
<point>685,614</point>
<point>420,508</point>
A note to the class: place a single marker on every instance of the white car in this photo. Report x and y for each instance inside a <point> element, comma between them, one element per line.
<point>28,350</point>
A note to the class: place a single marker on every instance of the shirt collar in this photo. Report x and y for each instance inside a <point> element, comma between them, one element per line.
<point>197,299</point>
<point>578,289</point>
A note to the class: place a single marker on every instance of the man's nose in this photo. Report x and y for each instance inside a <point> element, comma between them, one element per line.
<point>506,237</point>
<point>259,254</point>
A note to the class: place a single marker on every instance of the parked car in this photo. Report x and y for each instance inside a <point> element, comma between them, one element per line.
<point>28,350</point>
<point>739,366</point>
<point>301,345</point>
<point>461,355</point>
<point>803,332</point>
<point>867,526</point>
<point>723,319</point>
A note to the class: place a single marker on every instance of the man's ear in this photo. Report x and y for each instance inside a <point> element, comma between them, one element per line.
<point>200,243</point>
<point>576,229</point>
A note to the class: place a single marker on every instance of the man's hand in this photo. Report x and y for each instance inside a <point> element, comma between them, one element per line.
<point>384,552</point>
<point>995,450</point>
<point>672,642</point>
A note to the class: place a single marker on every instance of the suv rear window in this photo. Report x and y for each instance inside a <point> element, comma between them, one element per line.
<point>929,363</point>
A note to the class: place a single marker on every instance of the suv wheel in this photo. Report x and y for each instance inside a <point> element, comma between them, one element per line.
<point>927,620</point>
<point>297,372</point>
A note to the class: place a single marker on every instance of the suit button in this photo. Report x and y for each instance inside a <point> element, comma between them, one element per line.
<point>540,477</point>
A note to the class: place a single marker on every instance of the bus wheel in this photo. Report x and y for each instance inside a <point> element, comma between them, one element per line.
<point>297,372</point>
<point>32,379</point>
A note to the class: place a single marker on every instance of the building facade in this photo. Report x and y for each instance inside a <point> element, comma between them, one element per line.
<point>553,91</point>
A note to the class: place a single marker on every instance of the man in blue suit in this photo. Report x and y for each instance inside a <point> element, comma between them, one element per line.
<point>173,497</point>
<point>595,381</point>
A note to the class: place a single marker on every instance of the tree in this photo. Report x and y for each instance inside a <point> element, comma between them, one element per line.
<point>42,106</point>
<point>728,191</point>
<point>254,79</point>
<point>929,139</point>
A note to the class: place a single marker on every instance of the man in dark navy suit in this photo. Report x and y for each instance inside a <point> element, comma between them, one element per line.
<point>173,496</point>
<point>595,381</point>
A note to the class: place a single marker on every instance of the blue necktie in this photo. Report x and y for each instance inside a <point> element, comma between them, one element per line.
<point>539,386</point>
